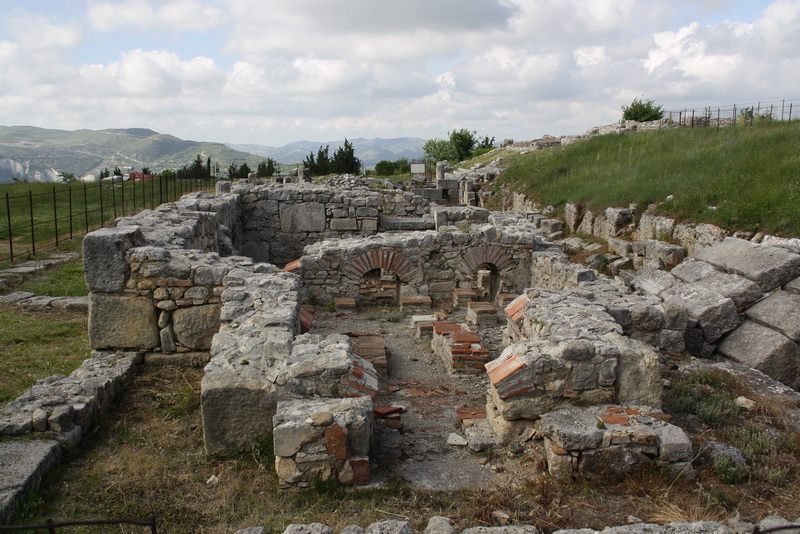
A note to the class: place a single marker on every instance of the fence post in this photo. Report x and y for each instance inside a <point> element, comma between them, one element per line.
<point>85,208</point>
<point>10,237</point>
<point>790,111</point>
<point>55,214</point>
<point>102,216</point>
<point>735,118</point>
<point>114,198</point>
<point>160,189</point>
<point>718,112</point>
<point>69,190</point>
<point>783,105</point>
<point>33,233</point>
<point>122,194</point>
<point>133,182</point>
<point>770,113</point>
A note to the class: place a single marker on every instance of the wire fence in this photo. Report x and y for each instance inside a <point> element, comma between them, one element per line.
<point>35,217</point>
<point>745,114</point>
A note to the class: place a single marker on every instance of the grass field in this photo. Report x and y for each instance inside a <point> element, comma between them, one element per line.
<point>743,178</point>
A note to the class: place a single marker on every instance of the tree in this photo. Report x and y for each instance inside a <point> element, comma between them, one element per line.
<point>68,177</point>
<point>105,173</point>
<point>463,142</point>
<point>266,168</point>
<point>322,165</point>
<point>244,170</point>
<point>345,161</point>
<point>642,111</point>
<point>117,171</point>
<point>145,170</point>
<point>438,150</point>
<point>384,168</point>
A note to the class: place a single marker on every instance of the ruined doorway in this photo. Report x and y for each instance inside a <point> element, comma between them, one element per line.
<point>380,287</point>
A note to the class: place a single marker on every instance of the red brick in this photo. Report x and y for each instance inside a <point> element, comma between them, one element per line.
<point>336,441</point>
<point>360,471</point>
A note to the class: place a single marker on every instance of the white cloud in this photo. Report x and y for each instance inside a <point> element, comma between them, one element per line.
<point>137,15</point>
<point>288,70</point>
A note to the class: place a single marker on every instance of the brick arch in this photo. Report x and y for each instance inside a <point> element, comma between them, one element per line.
<point>380,259</point>
<point>493,254</point>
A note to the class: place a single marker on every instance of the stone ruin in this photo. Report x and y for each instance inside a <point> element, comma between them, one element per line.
<point>225,280</point>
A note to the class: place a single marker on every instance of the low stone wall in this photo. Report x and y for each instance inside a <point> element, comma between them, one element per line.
<point>460,350</point>
<point>604,441</point>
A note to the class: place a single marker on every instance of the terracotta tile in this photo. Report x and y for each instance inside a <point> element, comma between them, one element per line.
<point>292,266</point>
<point>475,412</point>
<point>384,411</point>
<point>465,337</point>
<point>613,410</point>
<point>505,369</point>
<point>622,420</point>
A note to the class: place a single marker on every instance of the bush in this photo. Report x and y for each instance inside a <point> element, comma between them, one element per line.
<point>642,111</point>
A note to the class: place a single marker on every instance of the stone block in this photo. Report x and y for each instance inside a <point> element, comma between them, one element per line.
<point>122,322</point>
<point>22,466</point>
<point>573,214</point>
<point>742,291</point>
<point>673,443</point>
<point>237,409</point>
<point>764,349</point>
<point>344,225</point>
<point>571,429</point>
<point>769,267</point>
<point>638,372</point>
<point>104,253</point>
<point>195,326</point>
<point>670,254</point>
<point>714,314</point>
<point>653,282</point>
<point>780,311</point>
<point>303,217</point>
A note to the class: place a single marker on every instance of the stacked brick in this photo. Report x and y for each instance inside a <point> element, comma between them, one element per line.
<point>481,314</point>
<point>461,350</point>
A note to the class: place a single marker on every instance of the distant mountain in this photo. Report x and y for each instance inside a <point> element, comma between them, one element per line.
<point>369,151</point>
<point>39,154</point>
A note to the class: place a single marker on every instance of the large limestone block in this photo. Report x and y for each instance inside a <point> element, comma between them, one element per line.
<point>304,217</point>
<point>653,281</point>
<point>22,466</point>
<point>638,373</point>
<point>769,267</point>
<point>764,349</point>
<point>195,326</point>
<point>104,252</point>
<point>715,315</point>
<point>780,311</point>
<point>237,409</point>
<point>572,429</point>
<point>742,291</point>
<point>122,322</point>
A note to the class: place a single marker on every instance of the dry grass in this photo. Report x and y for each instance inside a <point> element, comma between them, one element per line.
<point>147,458</point>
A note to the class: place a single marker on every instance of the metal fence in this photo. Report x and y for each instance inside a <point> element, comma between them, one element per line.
<point>46,215</point>
<point>744,114</point>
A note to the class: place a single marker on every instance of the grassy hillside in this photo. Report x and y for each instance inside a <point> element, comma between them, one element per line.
<point>744,178</point>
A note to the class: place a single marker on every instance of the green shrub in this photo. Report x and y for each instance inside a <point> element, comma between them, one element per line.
<point>642,111</point>
<point>729,472</point>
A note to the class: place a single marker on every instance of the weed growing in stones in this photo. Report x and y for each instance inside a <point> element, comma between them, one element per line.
<point>707,395</point>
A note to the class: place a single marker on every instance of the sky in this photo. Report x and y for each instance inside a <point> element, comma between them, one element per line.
<point>270,72</point>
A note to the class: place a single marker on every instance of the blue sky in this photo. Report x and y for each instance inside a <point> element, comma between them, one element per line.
<point>271,72</point>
